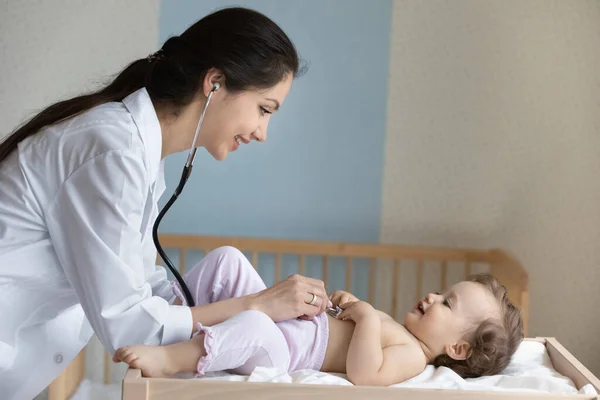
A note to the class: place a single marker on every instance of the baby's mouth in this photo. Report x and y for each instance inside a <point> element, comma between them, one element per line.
<point>420,308</point>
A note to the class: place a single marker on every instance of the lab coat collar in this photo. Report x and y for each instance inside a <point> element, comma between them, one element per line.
<point>144,116</point>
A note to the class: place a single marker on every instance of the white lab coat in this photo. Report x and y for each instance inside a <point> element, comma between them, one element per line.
<point>77,206</point>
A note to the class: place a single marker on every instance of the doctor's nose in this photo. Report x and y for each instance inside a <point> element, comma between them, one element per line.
<point>260,135</point>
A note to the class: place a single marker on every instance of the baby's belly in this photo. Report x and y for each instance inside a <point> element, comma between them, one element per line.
<point>340,333</point>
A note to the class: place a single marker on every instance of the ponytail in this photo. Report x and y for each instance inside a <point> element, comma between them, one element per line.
<point>249,49</point>
<point>128,81</point>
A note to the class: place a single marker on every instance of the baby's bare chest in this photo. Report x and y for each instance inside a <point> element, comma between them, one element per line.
<point>394,333</point>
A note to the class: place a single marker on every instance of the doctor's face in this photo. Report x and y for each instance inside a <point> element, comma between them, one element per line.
<point>240,117</point>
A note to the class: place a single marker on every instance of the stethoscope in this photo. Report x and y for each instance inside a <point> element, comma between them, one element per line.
<point>187,171</point>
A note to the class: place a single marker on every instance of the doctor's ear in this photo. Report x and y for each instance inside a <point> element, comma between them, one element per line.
<point>213,80</point>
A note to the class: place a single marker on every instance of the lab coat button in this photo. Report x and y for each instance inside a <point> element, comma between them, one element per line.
<point>58,358</point>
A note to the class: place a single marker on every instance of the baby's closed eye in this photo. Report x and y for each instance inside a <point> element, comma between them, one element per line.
<point>445,302</point>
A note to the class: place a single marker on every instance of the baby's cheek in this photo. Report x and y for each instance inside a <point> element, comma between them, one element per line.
<point>437,322</point>
<point>455,330</point>
<point>427,322</point>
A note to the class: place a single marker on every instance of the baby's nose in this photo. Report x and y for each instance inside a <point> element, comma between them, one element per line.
<point>430,298</point>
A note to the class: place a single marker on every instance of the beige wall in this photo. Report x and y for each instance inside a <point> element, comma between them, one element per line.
<point>50,50</point>
<point>494,140</point>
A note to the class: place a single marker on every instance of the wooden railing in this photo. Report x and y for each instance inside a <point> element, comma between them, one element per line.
<point>501,265</point>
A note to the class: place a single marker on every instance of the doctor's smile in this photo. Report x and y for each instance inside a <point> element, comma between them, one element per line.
<point>103,269</point>
<point>85,176</point>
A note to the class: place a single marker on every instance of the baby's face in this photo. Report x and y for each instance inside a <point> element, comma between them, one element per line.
<point>443,319</point>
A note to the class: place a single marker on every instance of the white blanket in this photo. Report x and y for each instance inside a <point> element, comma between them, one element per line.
<point>530,370</point>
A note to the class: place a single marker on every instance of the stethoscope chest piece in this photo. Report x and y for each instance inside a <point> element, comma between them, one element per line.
<point>334,311</point>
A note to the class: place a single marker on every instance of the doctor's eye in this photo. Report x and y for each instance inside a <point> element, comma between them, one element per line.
<point>264,111</point>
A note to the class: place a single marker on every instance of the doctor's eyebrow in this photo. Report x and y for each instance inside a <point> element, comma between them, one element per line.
<point>276,103</point>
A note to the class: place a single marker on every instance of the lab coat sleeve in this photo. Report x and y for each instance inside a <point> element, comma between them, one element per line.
<point>94,223</point>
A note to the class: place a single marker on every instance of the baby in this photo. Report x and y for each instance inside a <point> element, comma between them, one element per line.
<point>471,328</point>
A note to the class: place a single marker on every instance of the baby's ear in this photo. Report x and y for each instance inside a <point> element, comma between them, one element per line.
<point>460,350</point>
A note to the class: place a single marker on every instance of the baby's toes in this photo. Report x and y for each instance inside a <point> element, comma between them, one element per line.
<point>131,358</point>
<point>136,363</point>
<point>126,355</point>
<point>119,354</point>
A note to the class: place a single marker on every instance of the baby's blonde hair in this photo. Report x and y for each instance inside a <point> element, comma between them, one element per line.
<point>494,341</point>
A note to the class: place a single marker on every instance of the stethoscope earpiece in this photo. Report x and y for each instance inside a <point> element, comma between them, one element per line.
<point>187,170</point>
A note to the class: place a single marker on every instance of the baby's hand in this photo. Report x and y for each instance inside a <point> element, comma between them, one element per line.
<point>356,311</point>
<point>340,297</point>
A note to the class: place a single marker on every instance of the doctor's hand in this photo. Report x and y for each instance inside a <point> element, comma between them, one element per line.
<point>296,296</point>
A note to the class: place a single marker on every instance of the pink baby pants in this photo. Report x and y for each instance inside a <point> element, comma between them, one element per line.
<point>250,339</point>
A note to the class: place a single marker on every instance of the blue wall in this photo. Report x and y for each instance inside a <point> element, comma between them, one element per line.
<point>319,174</point>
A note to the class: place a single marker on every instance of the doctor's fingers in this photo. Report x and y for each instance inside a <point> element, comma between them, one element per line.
<point>317,298</point>
<point>307,281</point>
<point>310,301</point>
<point>309,311</point>
<point>314,300</point>
<point>310,291</point>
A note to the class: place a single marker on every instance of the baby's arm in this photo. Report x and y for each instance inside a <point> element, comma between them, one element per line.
<point>367,363</point>
<point>365,355</point>
<point>400,363</point>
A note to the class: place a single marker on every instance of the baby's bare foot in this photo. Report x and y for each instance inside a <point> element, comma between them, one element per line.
<point>154,361</point>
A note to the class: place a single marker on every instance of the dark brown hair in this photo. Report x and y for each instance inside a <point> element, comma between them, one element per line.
<point>494,341</point>
<point>249,48</point>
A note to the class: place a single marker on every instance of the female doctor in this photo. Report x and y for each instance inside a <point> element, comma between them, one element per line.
<point>79,185</point>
